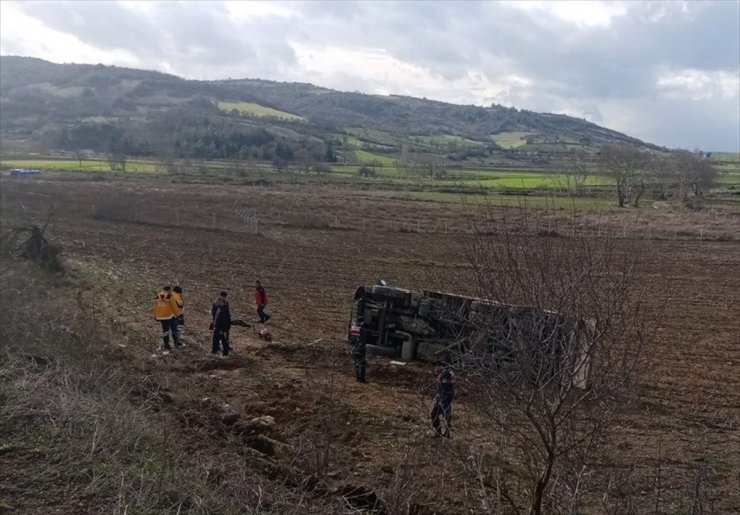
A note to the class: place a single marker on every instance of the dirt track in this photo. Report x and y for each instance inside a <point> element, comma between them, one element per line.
<point>690,399</point>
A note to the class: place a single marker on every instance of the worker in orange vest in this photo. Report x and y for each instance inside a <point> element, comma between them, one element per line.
<point>165,312</point>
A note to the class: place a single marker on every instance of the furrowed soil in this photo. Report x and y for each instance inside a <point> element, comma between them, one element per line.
<point>311,248</point>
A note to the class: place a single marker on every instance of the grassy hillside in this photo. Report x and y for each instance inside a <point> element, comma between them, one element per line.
<point>252,109</point>
<point>51,107</point>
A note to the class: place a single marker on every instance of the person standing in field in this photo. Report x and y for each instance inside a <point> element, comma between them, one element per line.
<point>220,325</point>
<point>442,409</point>
<point>177,296</point>
<point>165,311</point>
<point>357,340</point>
<point>260,298</point>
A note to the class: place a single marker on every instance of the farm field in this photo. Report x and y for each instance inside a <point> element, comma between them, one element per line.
<point>71,163</point>
<point>385,166</point>
<point>538,189</point>
<point>512,139</point>
<point>313,246</point>
<point>252,109</point>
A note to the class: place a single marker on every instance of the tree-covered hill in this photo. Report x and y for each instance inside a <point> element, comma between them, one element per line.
<point>72,107</point>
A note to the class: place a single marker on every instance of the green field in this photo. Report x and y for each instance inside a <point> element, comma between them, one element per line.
<point>444,141</point>
<point>526,180</point>
<point>729,175</point>
<point>365,157</point>
<point>511,139</point>
<point>539,189</point>
<point>374,136</point>
<point>726,157</point>
<point>353,142</point>
<point>252,109</point>
<point>728,165</point>
<point>70,163</point>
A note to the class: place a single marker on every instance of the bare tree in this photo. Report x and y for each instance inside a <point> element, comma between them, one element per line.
<point>117,162</point>
<point>303,156</point>
<point>279,164</point>
<point>167,159</point>
<point>559,329</point>
<point>695,173</point>
<point>664,176</point>
<point>628,166</point>
<point>577,171</point>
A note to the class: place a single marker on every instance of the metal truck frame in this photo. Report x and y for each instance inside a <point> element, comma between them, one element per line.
<point>441,327</point>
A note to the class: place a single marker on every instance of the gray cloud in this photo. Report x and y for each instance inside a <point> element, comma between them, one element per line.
<point>530,59</point>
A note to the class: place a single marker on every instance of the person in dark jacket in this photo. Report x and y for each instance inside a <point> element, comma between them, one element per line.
<point>260,298</point>
<point>221,324</point>
<point>442,409</point>
<point>357,340</point>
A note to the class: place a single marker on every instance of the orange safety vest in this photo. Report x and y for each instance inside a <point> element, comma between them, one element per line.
<point>164,307</point>
<point>177,303</point>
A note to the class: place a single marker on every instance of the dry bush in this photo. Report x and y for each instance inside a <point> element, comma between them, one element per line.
<point>30,243</point>
<point>559,353</point>
<point>82,430</point>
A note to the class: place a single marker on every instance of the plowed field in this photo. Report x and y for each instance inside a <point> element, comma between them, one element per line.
<point>311,249</point>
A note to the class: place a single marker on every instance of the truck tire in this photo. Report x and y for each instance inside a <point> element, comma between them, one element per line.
<point>388,292</point>
<point>383,351</point>
<point>407,350</point>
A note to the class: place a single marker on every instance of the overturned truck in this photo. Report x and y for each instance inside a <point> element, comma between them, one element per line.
<point>441,327</point>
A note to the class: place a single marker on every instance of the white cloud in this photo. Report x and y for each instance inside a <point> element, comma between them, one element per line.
<point>241,10</point>
<point>699,84</point>
<point>383,74</point>
<point>371,66</point>
<point>583,14</point>
<point>22,34</point>
<point>596,60</point>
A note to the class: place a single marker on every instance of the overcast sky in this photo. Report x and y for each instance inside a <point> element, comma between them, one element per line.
<point>665,72</point>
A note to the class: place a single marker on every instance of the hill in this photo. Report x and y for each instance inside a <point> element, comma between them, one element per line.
<point>107,109</point>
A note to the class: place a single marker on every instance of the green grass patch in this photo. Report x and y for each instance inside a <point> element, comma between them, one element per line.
<point>351,141</point>
<point>365,157</point>
<point>729,177</point>
<point>444,142</point>
<point>525,180</point>
<point>374,136</point>
<point>511,139</point>
<point>252,109</point>
<point>490,179</point>
<point>70,163</point>
<point>726,157</point>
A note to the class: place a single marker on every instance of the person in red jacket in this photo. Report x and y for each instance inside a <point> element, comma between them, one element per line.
<point>260,298</point>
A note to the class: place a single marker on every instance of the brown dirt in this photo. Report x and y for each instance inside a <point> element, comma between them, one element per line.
<point>689,399</point>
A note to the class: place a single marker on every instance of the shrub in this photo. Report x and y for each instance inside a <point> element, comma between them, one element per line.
<point>366,171</point>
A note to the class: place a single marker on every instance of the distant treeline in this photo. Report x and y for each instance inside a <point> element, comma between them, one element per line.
<point>187,137</point>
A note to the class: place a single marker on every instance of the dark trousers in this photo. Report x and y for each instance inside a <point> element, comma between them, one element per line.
<point>180,325</point>
<point>360,362</point>
<point>220,338</point>
<point>264,317</point>
<point>442,415</point>
<point>169,327</point>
